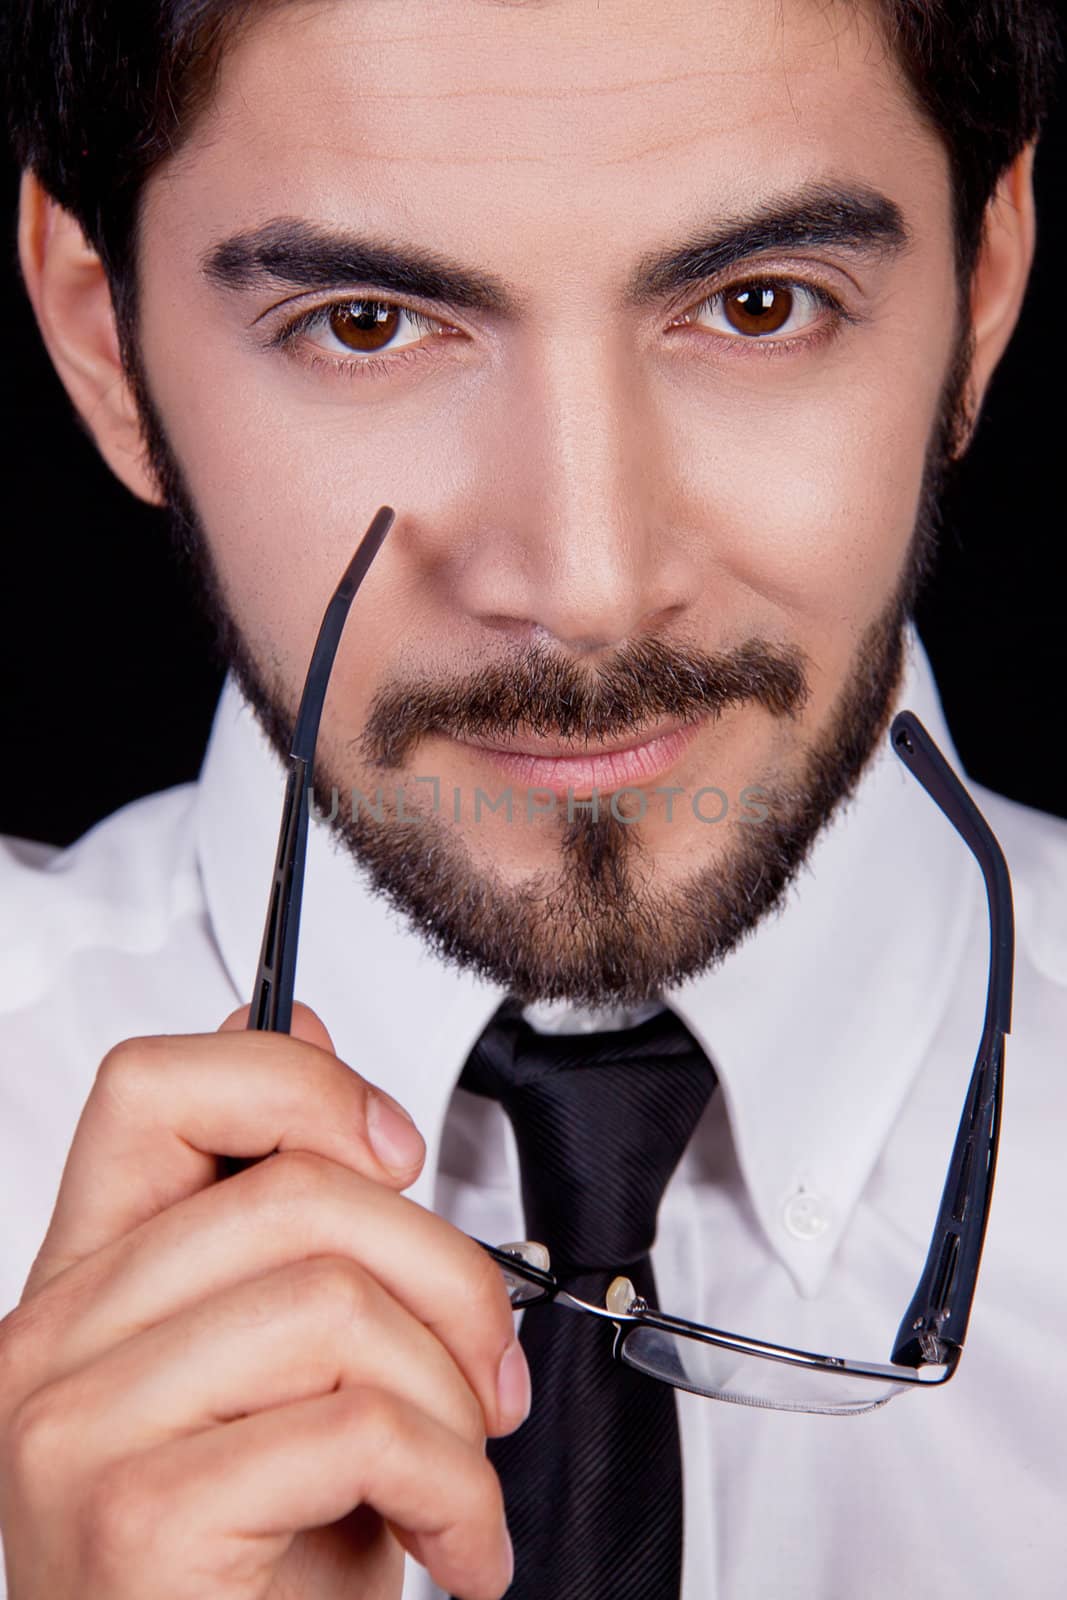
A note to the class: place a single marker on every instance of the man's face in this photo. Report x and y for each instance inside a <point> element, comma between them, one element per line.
<point>629,501</point>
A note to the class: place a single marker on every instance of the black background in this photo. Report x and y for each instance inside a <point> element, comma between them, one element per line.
<point>106,691</point>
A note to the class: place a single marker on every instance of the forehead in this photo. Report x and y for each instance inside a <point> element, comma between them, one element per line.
<point>545,120</point>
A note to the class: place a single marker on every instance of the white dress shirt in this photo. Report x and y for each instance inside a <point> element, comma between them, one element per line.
<point>843,1032</point>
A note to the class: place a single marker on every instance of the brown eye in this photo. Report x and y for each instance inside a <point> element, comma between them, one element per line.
<point>365,325</point>
<point>802,313</point>
<point>758,308</point>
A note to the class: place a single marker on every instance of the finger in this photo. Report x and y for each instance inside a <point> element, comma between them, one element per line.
<point>295,1207</point>
<point>309,1328</point>
<point>305,1024</point>
<point>163,1108</point>
<point>237,1494</point>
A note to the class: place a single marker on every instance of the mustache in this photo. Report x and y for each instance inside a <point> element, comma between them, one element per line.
<point>543,693</point>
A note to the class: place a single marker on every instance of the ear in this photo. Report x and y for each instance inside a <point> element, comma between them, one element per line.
<point>71,299</point>
<point>1001,273</point>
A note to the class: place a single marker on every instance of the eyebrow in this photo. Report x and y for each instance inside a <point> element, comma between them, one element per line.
<point>291,252</point>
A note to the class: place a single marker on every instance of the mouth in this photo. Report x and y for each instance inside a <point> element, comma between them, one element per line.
<point>578,768</point>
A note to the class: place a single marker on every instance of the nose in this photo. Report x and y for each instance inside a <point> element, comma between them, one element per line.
<point>578,547</point>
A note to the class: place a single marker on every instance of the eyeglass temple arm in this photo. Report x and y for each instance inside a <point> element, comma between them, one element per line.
<point>942,1299</point>
<point>272,997</point>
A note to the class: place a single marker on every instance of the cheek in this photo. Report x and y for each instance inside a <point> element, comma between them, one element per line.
<point>285,488</point>
<point>808,489</point>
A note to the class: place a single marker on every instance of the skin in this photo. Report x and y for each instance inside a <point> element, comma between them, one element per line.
<point>665,488</point>
<point>679,487</point>
<point>195,1372</point>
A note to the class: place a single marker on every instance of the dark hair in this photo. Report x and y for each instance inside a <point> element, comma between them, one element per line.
<point>99,92</point>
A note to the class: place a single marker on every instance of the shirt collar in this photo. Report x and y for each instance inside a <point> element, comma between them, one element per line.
<point>817,1023</point>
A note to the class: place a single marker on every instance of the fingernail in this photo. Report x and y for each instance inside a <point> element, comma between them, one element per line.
<point>513,1386</point>
<point>397,1142</point>
<point>510,1549</point>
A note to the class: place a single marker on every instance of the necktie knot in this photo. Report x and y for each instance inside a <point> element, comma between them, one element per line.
<point>601,1121</point>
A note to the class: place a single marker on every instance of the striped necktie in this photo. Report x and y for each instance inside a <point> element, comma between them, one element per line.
<point>593,1479</point>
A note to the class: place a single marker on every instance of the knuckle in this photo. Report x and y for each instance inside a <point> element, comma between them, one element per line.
<point>337,1289</point>
<point>13,1351</point>
<point>27,1336</point>
<point>123,1071</point>
<point>375,1416</point>
<point>37,1437</point>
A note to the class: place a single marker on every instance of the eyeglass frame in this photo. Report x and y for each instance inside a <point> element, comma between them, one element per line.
<point>923,1353</point>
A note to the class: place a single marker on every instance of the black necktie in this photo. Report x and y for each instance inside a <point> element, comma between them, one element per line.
<point>593,1479</point>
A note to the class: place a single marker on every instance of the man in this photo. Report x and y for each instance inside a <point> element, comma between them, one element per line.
<point>659,328</point>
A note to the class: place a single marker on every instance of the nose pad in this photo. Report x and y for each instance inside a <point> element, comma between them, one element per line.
<point>536,1254</point>
<point>621,1296</point>
<point>521,1291</point>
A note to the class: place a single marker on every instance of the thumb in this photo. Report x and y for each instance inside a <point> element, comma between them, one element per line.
<point>305,1025</point>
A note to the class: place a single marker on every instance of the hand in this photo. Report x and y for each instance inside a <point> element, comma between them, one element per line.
<point>259,1388</point>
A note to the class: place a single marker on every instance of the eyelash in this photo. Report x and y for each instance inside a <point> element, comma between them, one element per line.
<point>388,365</point>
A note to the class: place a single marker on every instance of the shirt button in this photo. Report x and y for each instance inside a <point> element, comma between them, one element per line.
<point>806,1215</point>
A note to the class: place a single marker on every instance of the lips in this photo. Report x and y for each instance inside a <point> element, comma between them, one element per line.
<point>562,768</point>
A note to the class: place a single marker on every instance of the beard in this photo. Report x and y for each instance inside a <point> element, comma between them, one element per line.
<point>597,931</point>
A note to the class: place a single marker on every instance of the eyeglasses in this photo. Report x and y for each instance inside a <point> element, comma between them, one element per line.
<point>688,1355</point>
